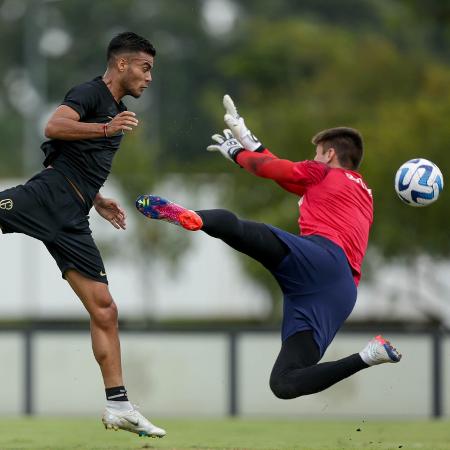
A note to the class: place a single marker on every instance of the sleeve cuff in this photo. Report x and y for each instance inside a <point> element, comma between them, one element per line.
<point>75,106</point>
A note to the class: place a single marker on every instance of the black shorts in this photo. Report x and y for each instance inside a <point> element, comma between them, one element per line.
<point>47,208</point>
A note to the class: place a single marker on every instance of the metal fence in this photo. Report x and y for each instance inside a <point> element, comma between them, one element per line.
<point>233,336</point>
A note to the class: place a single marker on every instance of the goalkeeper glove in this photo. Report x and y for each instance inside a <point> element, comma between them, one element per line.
<point>238,128</point>
<point>229,146</point>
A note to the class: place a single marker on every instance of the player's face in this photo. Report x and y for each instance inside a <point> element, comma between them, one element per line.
<point>137,74</point>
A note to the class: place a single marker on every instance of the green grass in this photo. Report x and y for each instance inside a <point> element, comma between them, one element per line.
<point>65,434</point>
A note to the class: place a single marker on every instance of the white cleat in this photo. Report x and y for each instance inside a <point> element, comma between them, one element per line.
<point>379,351</point>
<point>132,421</point>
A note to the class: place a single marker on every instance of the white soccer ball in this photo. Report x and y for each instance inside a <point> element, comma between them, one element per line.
<point>419,182</point>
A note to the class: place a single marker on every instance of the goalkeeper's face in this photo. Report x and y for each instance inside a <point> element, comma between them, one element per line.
<point>137,73</point>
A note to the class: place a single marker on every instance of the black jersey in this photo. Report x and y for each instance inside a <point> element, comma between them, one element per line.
<point>86,162</point>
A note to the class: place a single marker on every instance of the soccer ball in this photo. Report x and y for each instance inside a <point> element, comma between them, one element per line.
<point>418,182</point>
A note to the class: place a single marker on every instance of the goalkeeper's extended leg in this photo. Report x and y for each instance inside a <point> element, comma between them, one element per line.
<point>297,373</point>
<point>251,238</point>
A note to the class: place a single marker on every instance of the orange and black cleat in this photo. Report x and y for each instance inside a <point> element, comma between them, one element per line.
<point>155,207</point>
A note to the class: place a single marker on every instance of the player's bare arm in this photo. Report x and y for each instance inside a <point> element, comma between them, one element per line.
<point>111,211</point>
<point>65,124</point>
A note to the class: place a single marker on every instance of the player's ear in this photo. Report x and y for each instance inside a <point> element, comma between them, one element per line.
<point>331,154</point>
<point>121,63</point>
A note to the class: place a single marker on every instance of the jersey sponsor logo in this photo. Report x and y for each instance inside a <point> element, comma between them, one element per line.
<point>7,204</point>
<point>360,182</point>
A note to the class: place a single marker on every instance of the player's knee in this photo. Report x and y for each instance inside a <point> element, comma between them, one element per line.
<point>280,391</point>
<point>280,388</point>
<point>105,314</point>
<point>220,223</point>
<point>106,317</point>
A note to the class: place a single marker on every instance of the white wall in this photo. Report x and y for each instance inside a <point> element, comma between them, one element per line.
<point>12,373</point>
<point>186,374</point>
<point>164,374</point>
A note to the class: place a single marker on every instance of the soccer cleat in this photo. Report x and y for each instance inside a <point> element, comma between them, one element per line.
<point>132,421</point>
<point>379,351</point>
<point>155,207</point>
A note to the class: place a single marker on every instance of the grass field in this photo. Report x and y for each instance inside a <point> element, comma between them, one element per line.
<point>64,434</point>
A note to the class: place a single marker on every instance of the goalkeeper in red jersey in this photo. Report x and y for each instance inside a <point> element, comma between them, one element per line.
<point>319,270</point>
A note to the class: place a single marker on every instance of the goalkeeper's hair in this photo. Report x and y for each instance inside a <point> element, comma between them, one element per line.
<point>347,142</point>
<point>128,42</point>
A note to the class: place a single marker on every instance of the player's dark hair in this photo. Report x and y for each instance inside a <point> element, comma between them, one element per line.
<point>128,42</point>
<point>347,142</point>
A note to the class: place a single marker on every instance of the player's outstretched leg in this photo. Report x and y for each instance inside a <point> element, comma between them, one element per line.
<point>379,351</point>
<point>296,371</point>
<point>155,207</point>
<point>115,418</point>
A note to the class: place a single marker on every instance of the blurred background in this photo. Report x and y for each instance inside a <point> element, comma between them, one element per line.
<point>187,303</point>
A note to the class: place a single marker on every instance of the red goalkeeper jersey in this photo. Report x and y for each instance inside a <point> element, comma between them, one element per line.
<point>335,203</point>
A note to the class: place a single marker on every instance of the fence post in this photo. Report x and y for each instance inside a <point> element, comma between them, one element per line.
<point>437,373</point>
<point>28,372</point>
<point>232,374</point>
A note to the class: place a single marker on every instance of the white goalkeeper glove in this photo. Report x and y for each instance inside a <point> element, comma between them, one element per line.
<point>227,144</point>
<point>238,128</point>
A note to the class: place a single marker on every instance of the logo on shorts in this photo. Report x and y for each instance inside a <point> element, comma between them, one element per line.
<point>7,204</point>
<point>102,274</point>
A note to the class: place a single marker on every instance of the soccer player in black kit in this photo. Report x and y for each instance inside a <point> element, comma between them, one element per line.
<point>84,133</point>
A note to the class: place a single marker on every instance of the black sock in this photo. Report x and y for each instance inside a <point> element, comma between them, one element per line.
<point>117,394</point>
